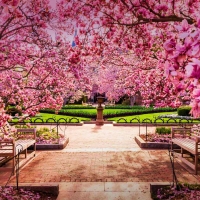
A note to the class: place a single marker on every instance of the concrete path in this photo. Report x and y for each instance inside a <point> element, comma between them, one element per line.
<point>104,191</point>
<point>102,162</point>
<point>92,138</point>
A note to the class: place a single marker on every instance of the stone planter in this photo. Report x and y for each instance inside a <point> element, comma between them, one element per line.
<point>153,145</point>
<point>52,146</point>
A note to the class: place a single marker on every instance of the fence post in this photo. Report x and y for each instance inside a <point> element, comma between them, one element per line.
<point>57,128</point>
<point>17,165</point>
<point>139,128</point>
<point>146,131</point>
<point>171,156</point>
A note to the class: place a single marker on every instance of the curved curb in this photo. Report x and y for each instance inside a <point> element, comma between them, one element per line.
<point>152,145</point>
<point>52,146</point>
<point>143,144</point>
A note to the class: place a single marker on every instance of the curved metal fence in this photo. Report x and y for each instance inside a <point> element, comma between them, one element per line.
<point>158,121</point>
<point>39,120</point>
<point>60,125</point>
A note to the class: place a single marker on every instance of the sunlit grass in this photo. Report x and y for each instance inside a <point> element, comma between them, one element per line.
<point>151,117</point>
<point>43,117</point>
<point>148,118</point>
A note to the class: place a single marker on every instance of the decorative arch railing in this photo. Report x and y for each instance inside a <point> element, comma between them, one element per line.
<point>158,122</point>
<point>53,123</point>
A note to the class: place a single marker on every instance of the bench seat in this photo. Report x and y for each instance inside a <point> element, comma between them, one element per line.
<point>188,142</point>
<point>23,139</point>
<point>7,148</point>
<point>25,144</point>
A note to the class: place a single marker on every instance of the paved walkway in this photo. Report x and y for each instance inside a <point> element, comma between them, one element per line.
<point>102,162</point>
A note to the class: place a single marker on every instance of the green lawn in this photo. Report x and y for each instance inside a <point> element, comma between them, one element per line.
<point>146,117</point>
<point>54,117</point>
<point>142,118</point>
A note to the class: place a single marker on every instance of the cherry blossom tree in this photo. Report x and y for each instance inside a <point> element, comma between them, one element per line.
<point>36,70</point>
<point>124,46</point>
<point>165,30</point>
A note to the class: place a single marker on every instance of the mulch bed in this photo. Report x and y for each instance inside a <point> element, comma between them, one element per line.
<point>14,194</point>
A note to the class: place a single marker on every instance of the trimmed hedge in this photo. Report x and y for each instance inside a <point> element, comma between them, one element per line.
<point>184,111</point>
<point>163,130</point>
<point>107,113</point>
<point>76,107</point>
<point>116,106</point>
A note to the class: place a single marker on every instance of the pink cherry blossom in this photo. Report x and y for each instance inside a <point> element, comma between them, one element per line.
<point>125,47</point>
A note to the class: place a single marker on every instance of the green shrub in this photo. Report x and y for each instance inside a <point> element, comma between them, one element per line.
<point>126,102</point>
<point>163,130</point>
<point>184,111</point>
<point>46,133</point>
<point>24,126</point>
<point>120,106</point>
<point>192,186</point>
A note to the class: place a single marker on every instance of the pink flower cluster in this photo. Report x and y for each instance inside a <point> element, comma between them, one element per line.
<point>183,61</point>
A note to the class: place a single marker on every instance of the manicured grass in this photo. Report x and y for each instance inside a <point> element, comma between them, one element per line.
<point>133,118</point>
<point>151,117</point>
<point>52,117</point>
<point>142,117</point>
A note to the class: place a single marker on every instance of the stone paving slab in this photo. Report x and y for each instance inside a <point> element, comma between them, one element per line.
<point>106,191</point>
<point>103,196</point>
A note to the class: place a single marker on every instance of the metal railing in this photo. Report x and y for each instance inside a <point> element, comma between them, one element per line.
<point>59,125</point>
<point>158,122</point>
<point>16,169</point>
<point>51,120</point>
